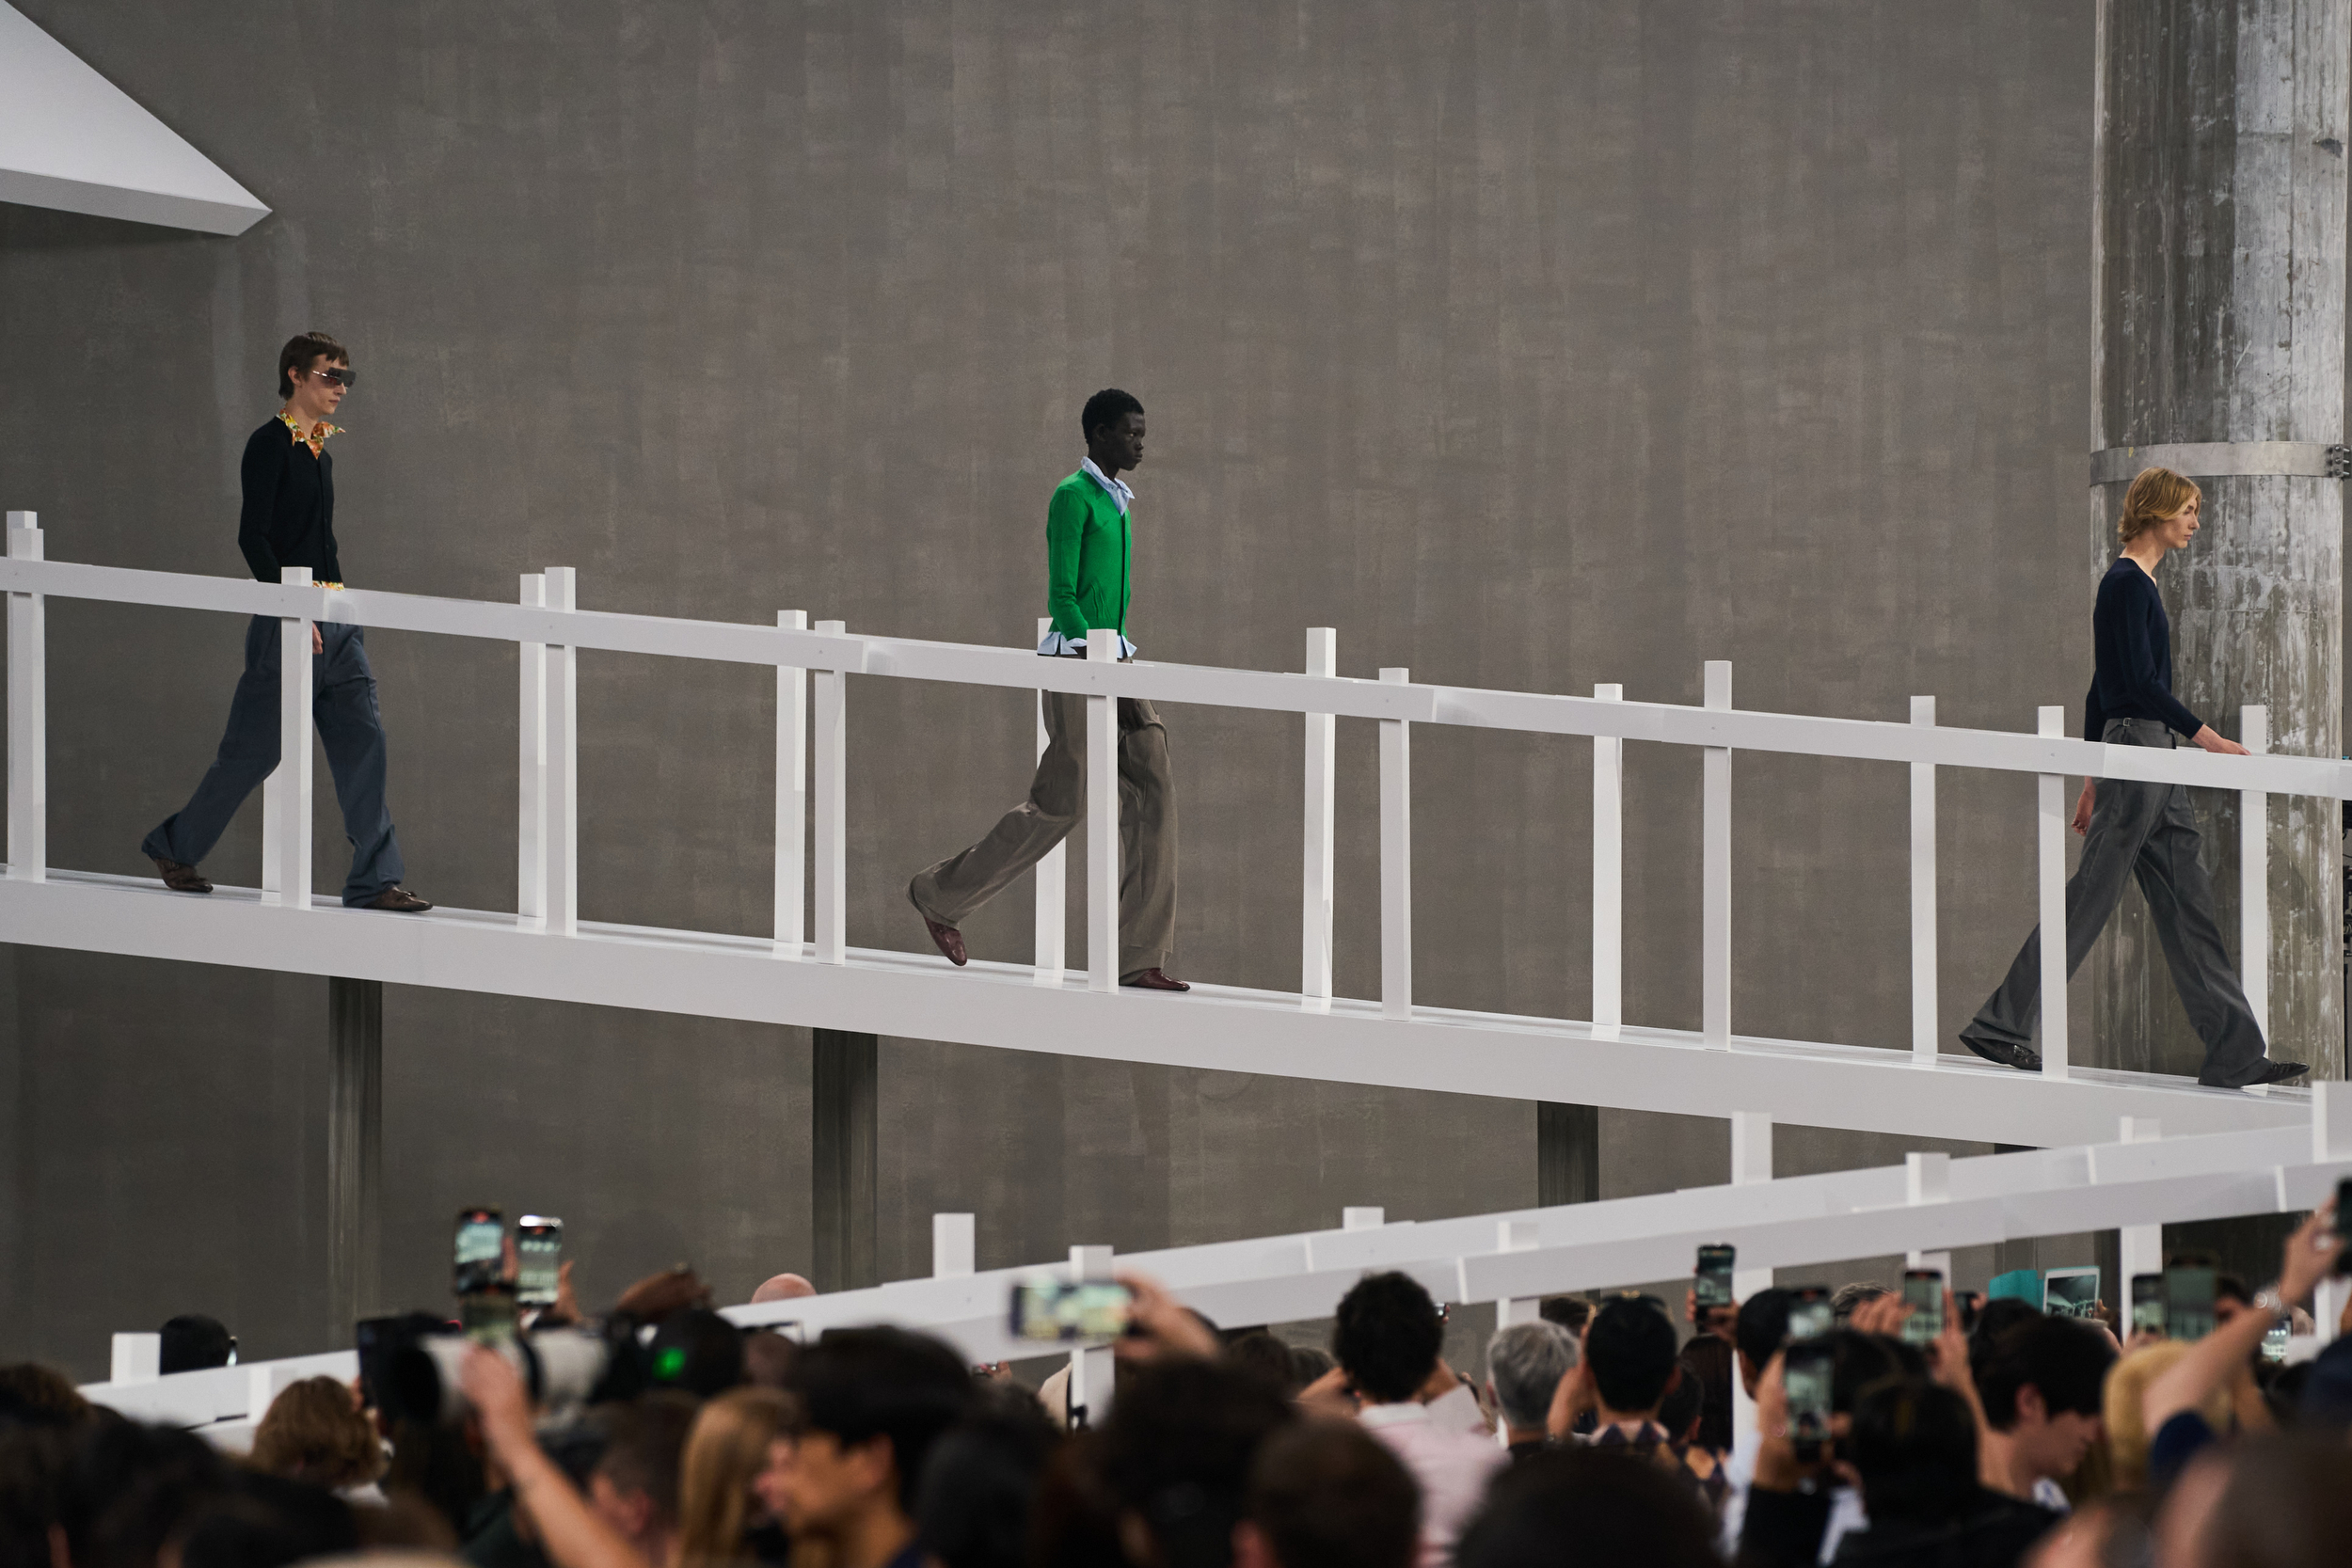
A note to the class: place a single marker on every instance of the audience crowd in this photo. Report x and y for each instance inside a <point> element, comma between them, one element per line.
<point>1597,1434</point>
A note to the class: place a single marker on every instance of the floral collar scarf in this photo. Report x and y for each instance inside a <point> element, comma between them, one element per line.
<point>315,438</point>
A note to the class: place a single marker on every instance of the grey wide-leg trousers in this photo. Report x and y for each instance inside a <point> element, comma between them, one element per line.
<point>2148,831</point>
<point>952,889</point>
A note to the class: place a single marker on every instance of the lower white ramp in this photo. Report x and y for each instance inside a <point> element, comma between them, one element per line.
<point>73,141</point>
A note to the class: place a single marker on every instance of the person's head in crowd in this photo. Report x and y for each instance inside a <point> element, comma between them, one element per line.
<point>1386,1337</point>
<point>1525,1363</point>
<point>2286,1503</point>
<point>1308,1363</point>
<point>782,1287</point>
<point>1629,1357</point>
<point>696,1350</point>
<point>1995,1319</point>
<point>129,1489</point>
<point>1678,1412</point>
<point>265,1521</point>
<point>1262,1353</point>
<point>874,1402</point>
<point>32,1468</point>
<point>2041,1383</point>
<point>634,1487</point>
<point>1707,1364</point>
<point>314,1432</point>
<point>1848,1297</point>
<point>1570,1507</point>
<point>1913,1445</point>
<point>769,1359</point>
<point>2229,1298</point>
<point>1858,1360</point>
<point>34,1395</point>
<point>191,1342</point>
<point>2123,1409</point>
<point>980,1481</point>
<point>731,1445</point>
<point>1326,1494</point>
<point>1570,1313</point>
<point>1176,1454</point>
<point>1763,1326</point>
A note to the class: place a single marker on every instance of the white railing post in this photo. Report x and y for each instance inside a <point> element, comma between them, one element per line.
<point>1923,1039</point>
<point>2051,850</point>
<point>828,751</point>
<point>530,791</point>
<point>1092,1369</point>
<point>2140,1247</point>
<point>1102,822</point>
<point>1323,751</point>
<point>1052,951</point>
<point>791,796</point>
<point>287,831</point>
<point>1607,876</point>
<point>1715,874</point>
<point>954,1248</point>
<point>1364,1217</point>
<point>1751,1163</point>
<point>28,714</point>
<point>2253,874</point>
<point>560,912</point>
<point>1396,861</point>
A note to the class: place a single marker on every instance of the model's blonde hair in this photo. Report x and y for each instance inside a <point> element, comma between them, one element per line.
<point>2156,495</point>
<point>724,1454</point>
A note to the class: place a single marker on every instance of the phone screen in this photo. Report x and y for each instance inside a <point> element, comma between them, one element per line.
<point>1810,1315</point>
<point>2274,1349</point>
<point>2188,1303</point>
<point>1054,1311</point>
<point>2147,1303</point>
<point>1806,1375</point>
<point>481,1257</point>
<point>1923,1293</point>
<point>538,1257</point>
<point>2344,1223</point>
<point>1712,1284</point>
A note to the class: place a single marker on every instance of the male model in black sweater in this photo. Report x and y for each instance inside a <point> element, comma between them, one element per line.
<point>2142,830</point>
<point>289,521</point>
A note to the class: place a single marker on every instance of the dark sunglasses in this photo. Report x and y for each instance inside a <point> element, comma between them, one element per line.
<point>345,378</point>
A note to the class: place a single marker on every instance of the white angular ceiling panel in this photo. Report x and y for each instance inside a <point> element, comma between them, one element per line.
<point>71,140</point>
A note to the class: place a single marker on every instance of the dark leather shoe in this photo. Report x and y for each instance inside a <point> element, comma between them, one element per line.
<point>180,878</point>
<point>1152,979</point>
<point>2272,1072</point>
<point>949,940</point>
<point>399,900</point>
<point>2025,1058</point>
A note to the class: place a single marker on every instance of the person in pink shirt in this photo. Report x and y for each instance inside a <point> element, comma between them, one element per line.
<point>1386,1341</point>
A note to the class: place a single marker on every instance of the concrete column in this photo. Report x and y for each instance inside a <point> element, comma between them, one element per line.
<point>842,1141</point>
<point>355,1153</point>
<point>2218,266</point>
<point>1567,1153</point>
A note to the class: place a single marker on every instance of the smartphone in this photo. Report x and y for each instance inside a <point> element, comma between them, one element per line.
<point>1806,1375</point>
<point>538,1257</point>
<point>481,1262</point>
<point>2070,1292</point>
<point>2188,1302</point>
<point>2147,1303</point>
<point>2274,1346</point>
<point>1923,1293</point>
<point>1057,1311</point>
<point>2343,1205</point>
<point>1809,1314</point>
<point>1711,1282</point>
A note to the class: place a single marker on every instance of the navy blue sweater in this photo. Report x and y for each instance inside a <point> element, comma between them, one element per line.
<point>2132,637</point>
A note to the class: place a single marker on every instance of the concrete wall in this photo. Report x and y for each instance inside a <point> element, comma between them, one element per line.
<point>1529,345</point>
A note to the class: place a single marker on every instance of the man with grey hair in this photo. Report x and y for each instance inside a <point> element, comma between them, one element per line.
<point>1525,1363</point>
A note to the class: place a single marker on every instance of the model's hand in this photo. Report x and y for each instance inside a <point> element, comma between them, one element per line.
<point>2082,807</point>
<point>318,643</point>
<point>2215,743</point>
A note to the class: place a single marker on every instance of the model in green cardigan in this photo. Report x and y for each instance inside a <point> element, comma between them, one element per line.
<point>1089,582</point>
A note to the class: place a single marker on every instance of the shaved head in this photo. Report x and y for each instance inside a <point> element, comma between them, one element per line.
<point>783,1286</point>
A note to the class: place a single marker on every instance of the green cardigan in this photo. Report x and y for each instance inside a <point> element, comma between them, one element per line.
<point>1090,557</point>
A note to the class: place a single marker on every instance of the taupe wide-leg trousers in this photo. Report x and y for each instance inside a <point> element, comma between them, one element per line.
<point>952,889</point>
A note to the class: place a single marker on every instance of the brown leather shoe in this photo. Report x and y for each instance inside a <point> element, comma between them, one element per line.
<point>950,941</point>
<point>399,900</point>
<point>1154,979</point>
<point>180,878</point>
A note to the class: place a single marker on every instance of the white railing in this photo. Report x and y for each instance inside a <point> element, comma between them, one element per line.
<point>1921,1209</point>
<point>550,627</point>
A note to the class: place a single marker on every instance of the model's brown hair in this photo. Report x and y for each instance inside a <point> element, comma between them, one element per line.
<point>314,1433</point>
<point>2156,494</point>
<point>298,354</point>
<point>724,1453</point>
